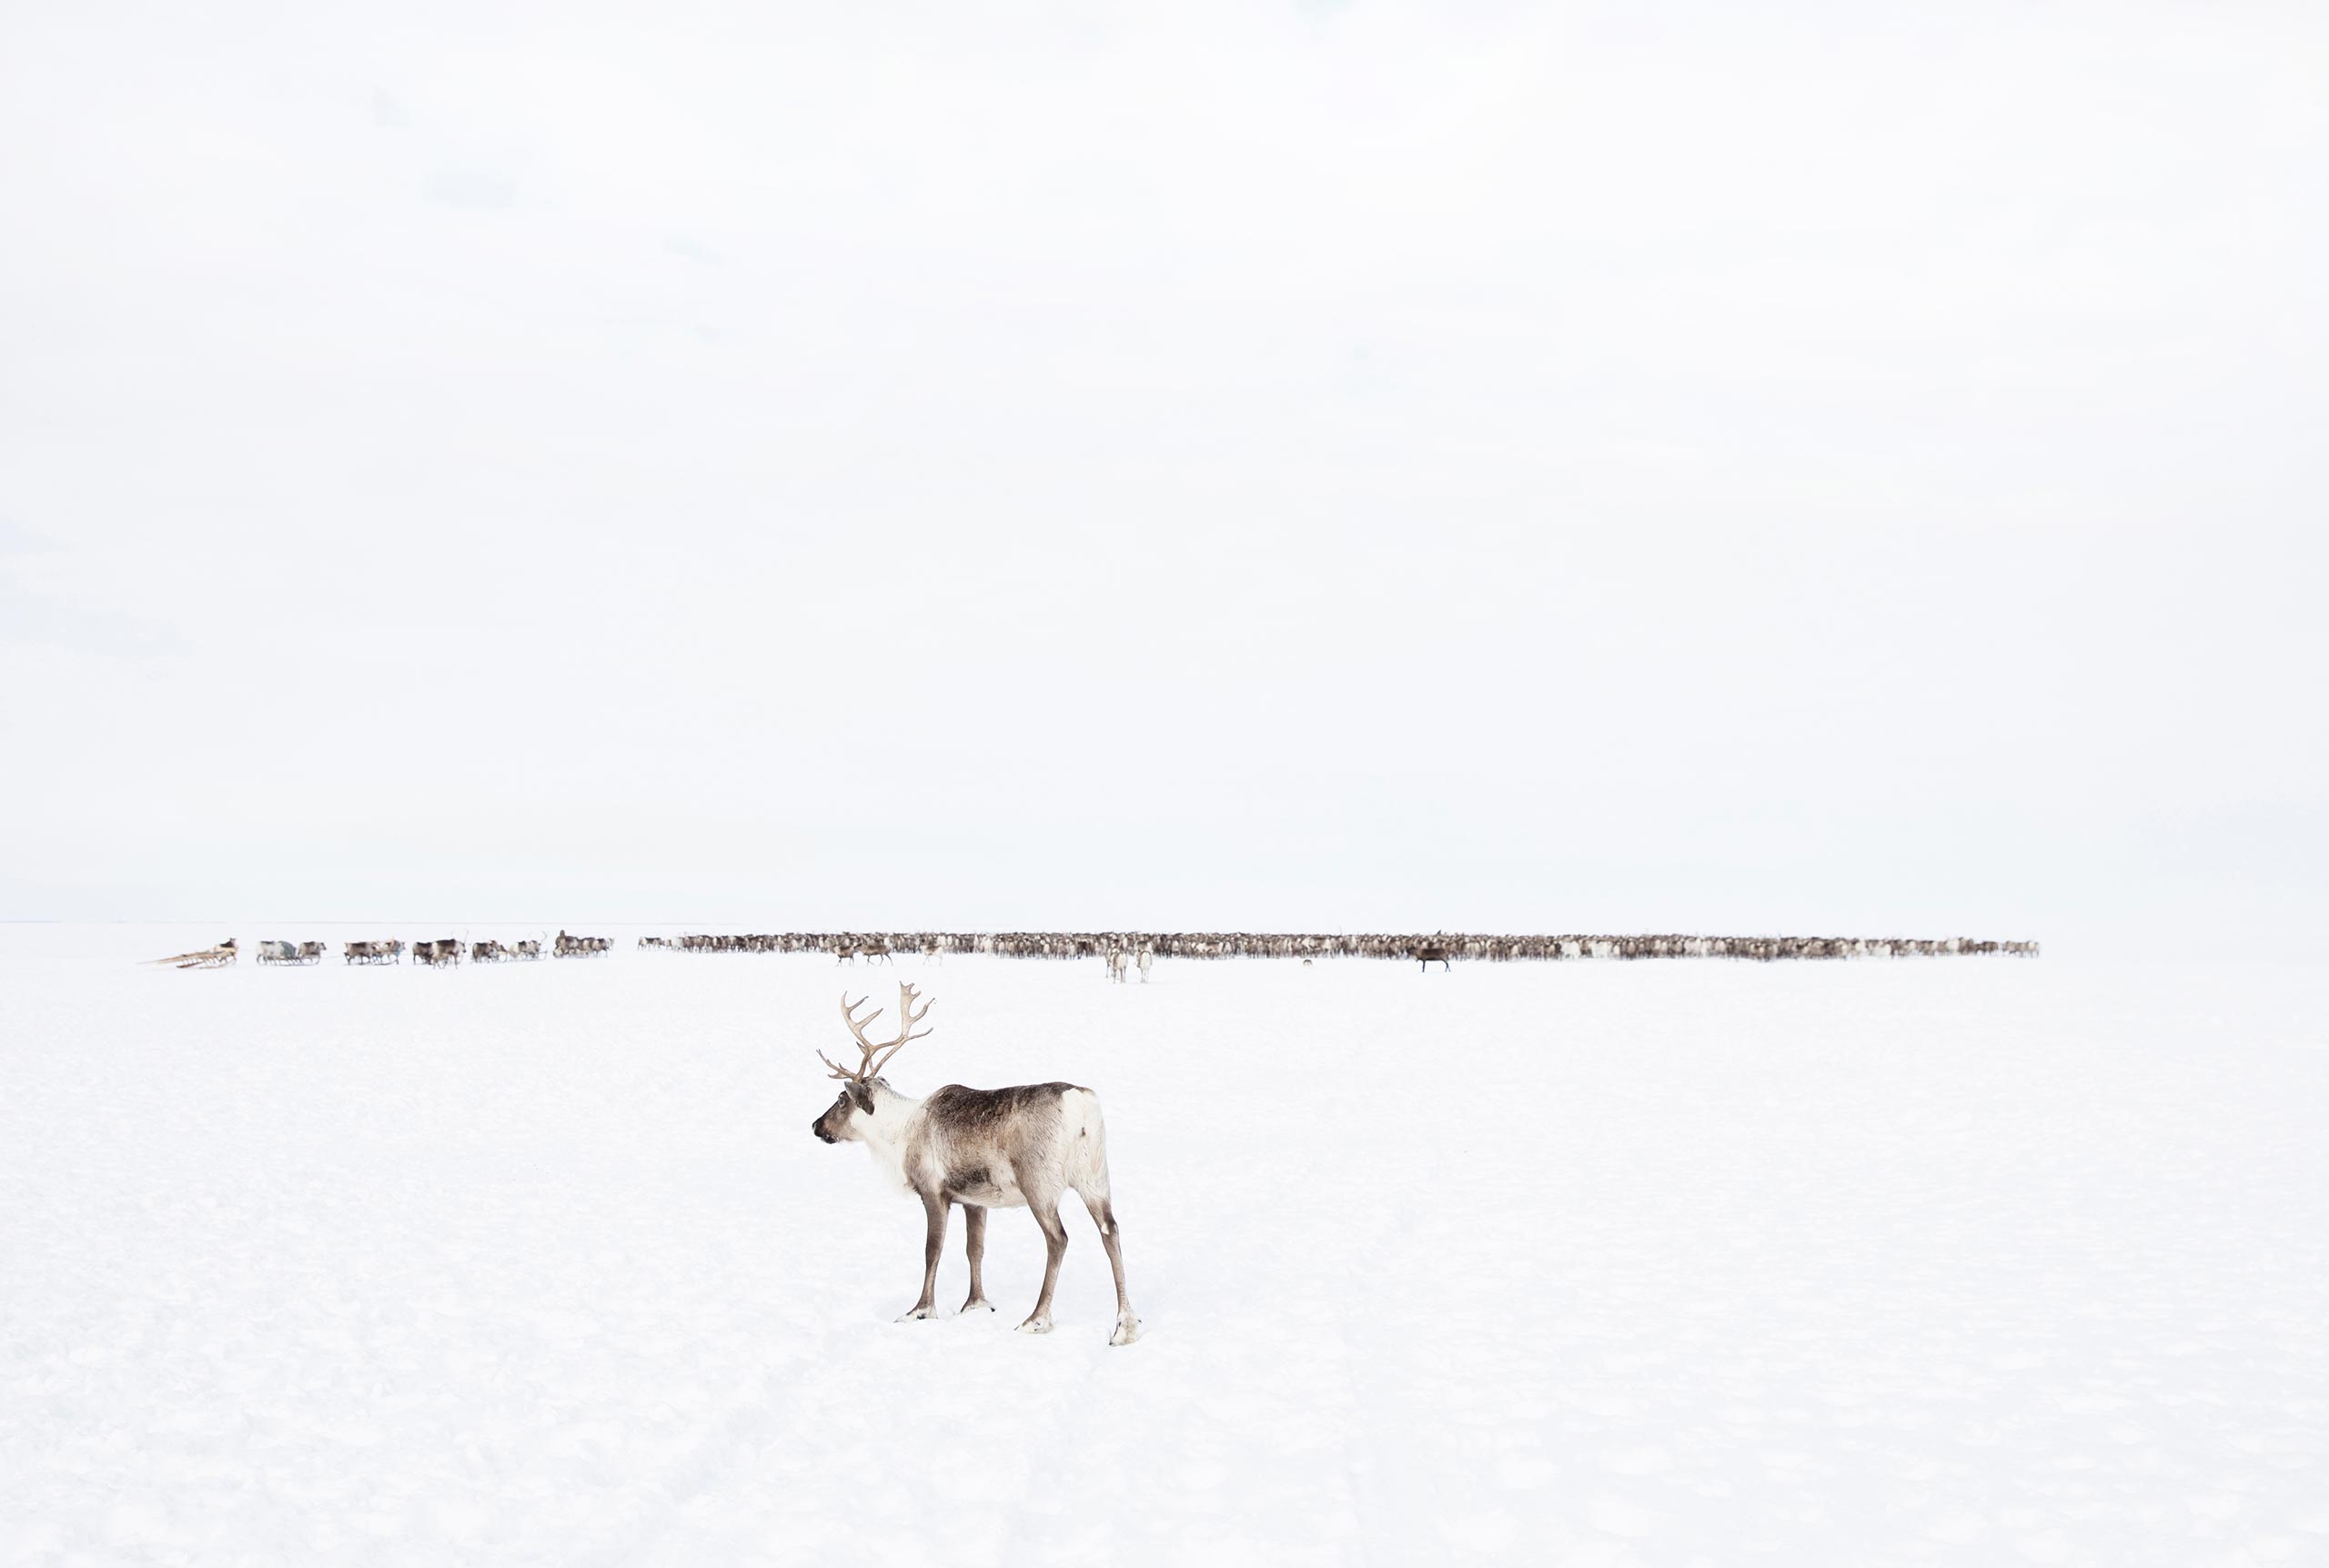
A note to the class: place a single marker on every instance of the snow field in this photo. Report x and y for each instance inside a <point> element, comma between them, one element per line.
<point>1949,1262</point>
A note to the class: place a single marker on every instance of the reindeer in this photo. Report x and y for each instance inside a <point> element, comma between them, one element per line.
<point>1116,964</point>
<point>1021,1147</point>
<point>1148,956</point>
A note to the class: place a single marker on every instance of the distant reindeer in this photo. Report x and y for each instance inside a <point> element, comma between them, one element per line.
<point>1022,1147</point>
<point>1148,956</point>
<point>1428,956</point>
<point>1116,964</point>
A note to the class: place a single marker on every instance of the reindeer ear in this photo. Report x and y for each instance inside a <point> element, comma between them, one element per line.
<point>862,1096</point>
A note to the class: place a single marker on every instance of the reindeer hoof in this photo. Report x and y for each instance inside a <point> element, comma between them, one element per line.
<point>919,1312</point>
<point>1037,1326</point>
<point>978,1304</point>
<point>1127,1331</point>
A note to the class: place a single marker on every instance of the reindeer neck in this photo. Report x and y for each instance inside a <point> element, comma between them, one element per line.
<point>886,1131</point>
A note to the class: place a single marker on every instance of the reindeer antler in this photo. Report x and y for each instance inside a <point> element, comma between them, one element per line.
<point>873,1057</point>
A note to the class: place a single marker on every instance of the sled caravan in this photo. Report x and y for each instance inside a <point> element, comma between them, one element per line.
<point>442,952</point>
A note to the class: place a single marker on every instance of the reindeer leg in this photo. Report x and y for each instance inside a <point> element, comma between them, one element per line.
<point>933,1207</point>
<point>1104,1214</point>
<point>974,1247</point>
<point>1045,1207</point>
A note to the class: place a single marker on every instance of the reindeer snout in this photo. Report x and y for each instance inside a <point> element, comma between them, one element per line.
<point>818,1127</point>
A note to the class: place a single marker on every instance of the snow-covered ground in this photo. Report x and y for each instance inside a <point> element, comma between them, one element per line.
<point>1970,1262</point>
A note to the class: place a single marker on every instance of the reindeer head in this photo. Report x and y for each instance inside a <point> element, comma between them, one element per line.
<point>857,1097</point>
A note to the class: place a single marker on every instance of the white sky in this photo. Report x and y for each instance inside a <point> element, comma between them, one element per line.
<point>1649,467</point>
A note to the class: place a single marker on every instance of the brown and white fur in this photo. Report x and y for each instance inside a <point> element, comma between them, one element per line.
<point>1023,1147</point>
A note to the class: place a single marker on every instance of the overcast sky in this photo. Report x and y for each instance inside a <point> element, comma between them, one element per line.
<point>1818,468</point>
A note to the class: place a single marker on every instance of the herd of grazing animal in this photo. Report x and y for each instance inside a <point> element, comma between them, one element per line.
<point>1124,952</point>
<point>1121,950</point>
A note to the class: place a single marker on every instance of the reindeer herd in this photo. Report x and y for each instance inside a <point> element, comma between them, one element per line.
<point>1126,953</point>
<point>1128,950</point>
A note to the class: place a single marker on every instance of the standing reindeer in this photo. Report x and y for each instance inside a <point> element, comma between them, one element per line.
<point>1022,1147</point>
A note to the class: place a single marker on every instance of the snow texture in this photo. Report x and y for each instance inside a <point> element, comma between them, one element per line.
<point>1944,1261</point>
